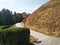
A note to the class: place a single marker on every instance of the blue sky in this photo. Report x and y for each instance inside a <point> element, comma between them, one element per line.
<point>28,6</point>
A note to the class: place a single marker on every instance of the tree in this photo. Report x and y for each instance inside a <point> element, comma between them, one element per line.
<point>6,16</point>
<point>17,17</point>
<point>0,18</point>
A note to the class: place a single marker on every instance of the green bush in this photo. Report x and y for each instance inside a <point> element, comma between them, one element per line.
<point>14,36</point>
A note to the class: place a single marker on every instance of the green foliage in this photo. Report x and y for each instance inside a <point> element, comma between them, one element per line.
<point>17,17</point>
<point>14,36</point>
<point>7,18</point>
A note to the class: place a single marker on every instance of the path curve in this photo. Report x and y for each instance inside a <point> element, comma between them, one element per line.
<point>46,40</point>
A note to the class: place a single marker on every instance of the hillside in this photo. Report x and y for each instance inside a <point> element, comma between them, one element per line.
<point>46,19</point>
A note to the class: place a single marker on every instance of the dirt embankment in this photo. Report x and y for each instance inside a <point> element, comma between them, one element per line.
<point>46,19</point>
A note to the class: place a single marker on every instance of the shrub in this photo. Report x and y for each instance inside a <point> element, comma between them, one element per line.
<point>14,36</point>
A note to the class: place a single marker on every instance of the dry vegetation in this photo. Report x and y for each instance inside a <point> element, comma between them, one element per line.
<point>46,19</point>
<point>32,39</point>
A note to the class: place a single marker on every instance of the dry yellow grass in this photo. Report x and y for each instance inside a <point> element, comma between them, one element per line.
<point>46,19</point>
<point>32,39</point>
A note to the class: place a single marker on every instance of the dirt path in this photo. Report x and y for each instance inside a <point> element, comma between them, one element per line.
<point>46,40</point>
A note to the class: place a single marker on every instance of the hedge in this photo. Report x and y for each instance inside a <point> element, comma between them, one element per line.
<point>14,36</point>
